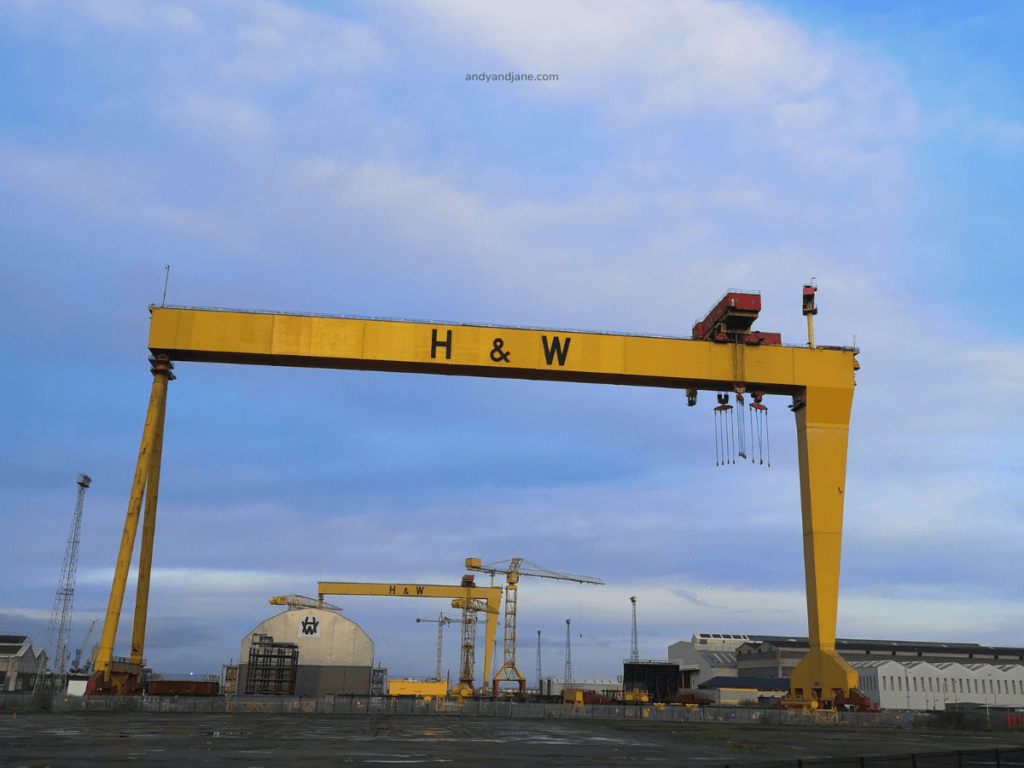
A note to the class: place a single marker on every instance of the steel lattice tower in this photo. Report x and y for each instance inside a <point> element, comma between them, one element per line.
<point>468,656</point>
<point>634,650</point>
<point>59,631</point>
<point>568,654</point>
<point>441,622</point>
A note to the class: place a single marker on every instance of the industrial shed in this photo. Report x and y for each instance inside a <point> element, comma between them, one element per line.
<point>19,663</point>
<point>335,655</point>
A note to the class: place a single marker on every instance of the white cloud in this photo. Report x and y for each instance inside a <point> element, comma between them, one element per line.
<point>226,119</point>
<point>822,102</point>
<point>110,188</point>
<point>142,14</point>
<point>276,43</point>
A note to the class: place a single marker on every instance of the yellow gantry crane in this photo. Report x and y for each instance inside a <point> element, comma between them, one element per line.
<point>723,354</point>
<point>298,601</point>
<point>513,569</point>
<point>467,596</point>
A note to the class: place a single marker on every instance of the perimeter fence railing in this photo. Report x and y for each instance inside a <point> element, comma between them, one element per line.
<point>1012,757</point>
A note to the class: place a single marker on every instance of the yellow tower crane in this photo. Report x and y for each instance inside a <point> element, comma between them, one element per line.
<point>513,569</point>
<point>298,601</point>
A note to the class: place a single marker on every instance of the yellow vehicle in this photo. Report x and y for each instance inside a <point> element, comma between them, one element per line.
<point>436,689</point>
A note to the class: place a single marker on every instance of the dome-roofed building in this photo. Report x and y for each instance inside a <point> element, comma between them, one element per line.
<point>334,655</point>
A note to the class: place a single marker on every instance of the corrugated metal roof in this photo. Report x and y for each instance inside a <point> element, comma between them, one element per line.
<point>718,658</point>
<point>904,646</point>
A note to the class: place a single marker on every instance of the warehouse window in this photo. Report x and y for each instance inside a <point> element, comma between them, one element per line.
<point>930,685</point>
<point>975,685</point>
<point>999,687</point>
<point>899,683</point>
<point>915,684</point>
<point>883,683</point>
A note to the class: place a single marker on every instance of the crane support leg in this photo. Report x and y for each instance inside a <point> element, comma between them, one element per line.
<point>146,551</point>
<point>822,430</point>
<point>103,679</point>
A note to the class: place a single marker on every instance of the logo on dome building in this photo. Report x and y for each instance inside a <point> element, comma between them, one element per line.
<point>309,626</point>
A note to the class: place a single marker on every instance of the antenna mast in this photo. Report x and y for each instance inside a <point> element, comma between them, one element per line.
<point>59,631</point>
<point>634,650</point>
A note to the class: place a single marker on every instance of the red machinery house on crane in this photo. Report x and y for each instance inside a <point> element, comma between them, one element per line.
<point>731,319</point>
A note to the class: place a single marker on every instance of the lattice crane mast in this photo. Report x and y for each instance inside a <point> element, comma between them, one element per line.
<point>442,621</point>
<point>513,569</point>
<point>467,656</point>
<point>298,601</point>
<point>59,630</point>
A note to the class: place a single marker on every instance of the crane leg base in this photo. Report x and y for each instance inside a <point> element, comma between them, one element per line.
<point>818,680</point>
<point>115,684</point>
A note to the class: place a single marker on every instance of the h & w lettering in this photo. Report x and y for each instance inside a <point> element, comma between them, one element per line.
<point>556,349</point>
<point>434,344</point>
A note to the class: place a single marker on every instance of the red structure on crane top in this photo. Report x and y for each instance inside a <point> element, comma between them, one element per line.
<point>730,321</point>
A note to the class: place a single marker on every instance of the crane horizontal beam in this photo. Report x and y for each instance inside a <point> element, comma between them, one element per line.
<point>261,338</point>
<point>489,594</point>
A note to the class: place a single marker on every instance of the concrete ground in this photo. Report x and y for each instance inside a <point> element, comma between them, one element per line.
<point>310,741</point>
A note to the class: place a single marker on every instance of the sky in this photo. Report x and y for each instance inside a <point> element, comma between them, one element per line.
<point>333,157</point>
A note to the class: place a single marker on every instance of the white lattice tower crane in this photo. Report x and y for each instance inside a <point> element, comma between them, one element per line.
<point>59,630</point>
<point>513,569</point>
<point>634,648</point>
<point>441,622</point>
